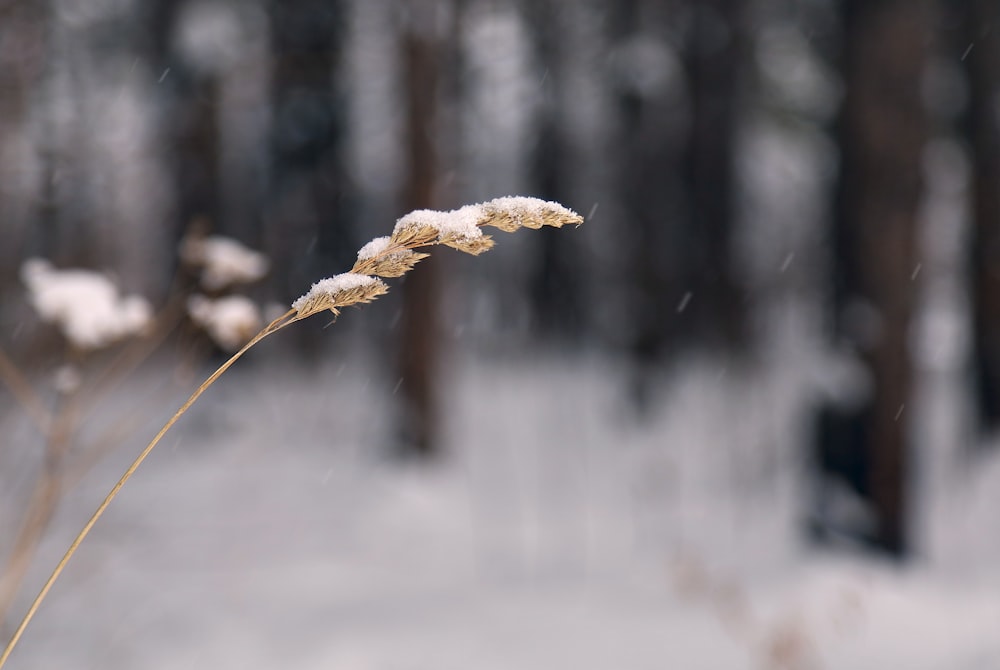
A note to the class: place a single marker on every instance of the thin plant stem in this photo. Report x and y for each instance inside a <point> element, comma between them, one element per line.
<point>393,260</point>
<point>44,502</point>
<point>276,325</point>
<point>114,435</point>
<point>26,396</point>
<point>41,508</point>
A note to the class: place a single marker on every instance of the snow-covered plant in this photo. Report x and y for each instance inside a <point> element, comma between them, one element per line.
<point>230,321</point>
<point>85,305</point>
<point>222,261</point>
<point>383,257</point>
<point>91,314</point>
<point>395,255</point>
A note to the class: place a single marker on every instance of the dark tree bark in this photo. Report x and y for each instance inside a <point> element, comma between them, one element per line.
<point>24,46</point>
<point>189,122</point>
<point>715,53</point>
<point>196,148</point>
<point>981,32</point>
<point>883,131</point>
<point>652,121</point>
<point>420,326</point>
<point>308,223</point>
<point>556,294</point>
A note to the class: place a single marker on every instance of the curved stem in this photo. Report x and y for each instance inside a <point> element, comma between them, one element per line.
<point>276,325</point>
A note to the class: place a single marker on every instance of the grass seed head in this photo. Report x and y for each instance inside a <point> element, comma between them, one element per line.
<point>343,290</point>
<point>410,232</point>
<point>384,258</point>
<point>395,255</point>
<point>510,213</point>
<point>474,245</point>
<point>387,256</point>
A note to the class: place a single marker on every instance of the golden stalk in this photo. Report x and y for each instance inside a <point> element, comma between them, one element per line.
<point>390,257</point>
<point>273,327</point>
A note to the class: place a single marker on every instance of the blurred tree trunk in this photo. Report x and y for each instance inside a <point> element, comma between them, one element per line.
<point>308,225</point>
<point>24,47</point>
<point>556,290</point>
<point>420,327</point>
<point>715,53</point>
<point>981,23</point>
<point>189,120</point>
<point>883,131</point>
<point>652,121</point>
<point>63,220</point>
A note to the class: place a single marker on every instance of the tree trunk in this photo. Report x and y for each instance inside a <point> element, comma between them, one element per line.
<point>23,54</point>
<point>556,295</point>
<point>420,321</point>
<point>981,22</point>
<point>714,55</point>
<point>188,118</point>
<point>652,122</point>
<point>308,223</point>
<point>883,132</point>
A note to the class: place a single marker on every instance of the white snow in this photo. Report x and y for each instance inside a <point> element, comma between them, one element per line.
<point>462,223</point>
<point>85,305</point>
<point>223,261</point>
<point>525,204</point>
<point>374,248</point>
<point>522,208</point>
<point>268,534</point>
<point>332,286</point>
<point>459,223</point>
<point>67,379</point>
<point>230,321</point>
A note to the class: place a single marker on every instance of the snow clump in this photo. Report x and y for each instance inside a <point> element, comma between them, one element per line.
<point>223,261</point>
<point>85,305</point>
<point>347,288</point>
<point>375,248</point>
<point>230,321</point>
<point>458,224</point>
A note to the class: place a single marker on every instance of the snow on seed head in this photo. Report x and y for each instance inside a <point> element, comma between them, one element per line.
<point>457,229</point>
<point>67,379</point>
<point>343,290</point>
<point>230,321</point>
<point>460,228</point>
<point>384,258</point>
<point>86,306</point>
<point>395,255</point>
<point>377,247</point>
<point>223,261</point>
<point>513,212</point>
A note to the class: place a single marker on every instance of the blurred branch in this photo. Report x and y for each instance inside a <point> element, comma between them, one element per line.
<point>26,396</point>
<point>42,506</point>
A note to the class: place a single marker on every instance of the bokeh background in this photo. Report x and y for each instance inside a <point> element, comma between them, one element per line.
<point>743,417</point>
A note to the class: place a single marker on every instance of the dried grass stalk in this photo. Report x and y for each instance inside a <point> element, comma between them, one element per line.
<point>391,256</point>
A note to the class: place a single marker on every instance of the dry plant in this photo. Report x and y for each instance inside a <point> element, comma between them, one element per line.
<point>784,640</point>
<point>80,383</point>
<point>92,315</point>
<point>390,256</point>
<point>113,318</point>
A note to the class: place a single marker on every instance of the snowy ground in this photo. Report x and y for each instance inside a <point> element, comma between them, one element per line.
<point>271,532</point>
